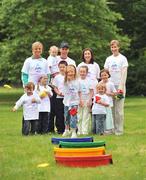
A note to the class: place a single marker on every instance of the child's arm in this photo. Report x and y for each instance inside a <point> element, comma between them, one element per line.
<point>91,93</point>
<point>58,92</point>
<point>18,104</point>
<point>103,103</point>
<point>81,101</point>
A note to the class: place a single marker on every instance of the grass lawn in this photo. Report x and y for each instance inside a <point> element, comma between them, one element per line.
<point>19,156</point>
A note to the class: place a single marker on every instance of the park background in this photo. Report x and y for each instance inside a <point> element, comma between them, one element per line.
<point>84,23</point>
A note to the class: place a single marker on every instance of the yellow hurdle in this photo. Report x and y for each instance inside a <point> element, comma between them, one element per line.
<point>76,152</point>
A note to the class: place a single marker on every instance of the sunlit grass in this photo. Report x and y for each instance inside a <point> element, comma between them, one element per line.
<point>19,155</point>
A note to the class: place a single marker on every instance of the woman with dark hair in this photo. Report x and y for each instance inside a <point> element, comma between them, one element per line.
<point>93,67</point>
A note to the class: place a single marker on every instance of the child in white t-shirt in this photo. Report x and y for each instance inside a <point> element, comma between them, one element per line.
<point>29,101</point>
<point>58,83</point>
<point>53,61</point>
<point>71,101</point>
<point>45,93</point>
<point>100,102</point>
<point>35,66</point>
<point>110,92</point>
<point>86,89</point>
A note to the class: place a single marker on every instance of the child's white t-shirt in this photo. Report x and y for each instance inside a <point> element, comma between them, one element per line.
<point>98,108</point>
<point>35,68</point>
<point>58,82</point>
<point>30,110</point>
<point>85,87</point>
<point>53,64</point>
<point>44,106</point>
<point>110,88</point>
<point>93,70</point>
<point>71,93</point>
<point>115,65</point>
<point>68,60</point>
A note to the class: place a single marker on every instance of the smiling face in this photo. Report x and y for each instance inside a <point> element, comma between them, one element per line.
<point>44,80</point>
<point>87,56</point>
<point>64,52</point>
<point>104,76</point>
<point>101,89</point>
<point>70,73</point>
<point>83,72</point>
<point>37,49</point>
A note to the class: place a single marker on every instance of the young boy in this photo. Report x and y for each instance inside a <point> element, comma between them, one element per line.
<point>117,66</point>
<point>29,101</point>
<point>53,61</point>
<point>35,66</point>
<point>58,82</point>
<point>86,93</point>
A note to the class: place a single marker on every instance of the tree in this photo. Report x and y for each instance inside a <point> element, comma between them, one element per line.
<point>85,23</point>
<point>133,25</point>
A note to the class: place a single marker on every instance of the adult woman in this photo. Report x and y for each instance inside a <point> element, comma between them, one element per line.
<point>93,67</point>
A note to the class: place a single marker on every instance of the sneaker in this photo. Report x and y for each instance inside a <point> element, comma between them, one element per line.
<point>74,134</point>
<point>66,133</point>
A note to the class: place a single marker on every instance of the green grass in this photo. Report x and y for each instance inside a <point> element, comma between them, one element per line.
<point>19,156</point>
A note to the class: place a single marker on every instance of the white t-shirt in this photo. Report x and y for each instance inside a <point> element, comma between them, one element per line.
<point>53,64</point>
<point>71,93</point>
<point>110,88</point>
<point>68,60</point>
<point>93,70</point>
<point>98,108</point>
<point>30,110</point>
<point>44,106</point>
<point>85,87</point>
<point>58,82</point>
<point>115,64</point>
<point>35,68</point>
<point>93,73</point>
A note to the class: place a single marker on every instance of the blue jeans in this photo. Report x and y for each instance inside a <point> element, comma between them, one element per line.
<point>70,120</point>
<point>98,121</point>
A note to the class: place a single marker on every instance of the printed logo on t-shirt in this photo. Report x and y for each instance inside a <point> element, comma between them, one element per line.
<point>38,68</point>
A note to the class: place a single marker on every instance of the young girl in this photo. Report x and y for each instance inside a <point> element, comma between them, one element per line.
<point>100,102</point>
<point>29,101</point>
<point>45,93</point>
<point>86,89</point>
<point>110,92</point>
<point>71,101</point>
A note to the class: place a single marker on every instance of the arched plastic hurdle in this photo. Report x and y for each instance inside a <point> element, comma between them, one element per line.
<point>79,151</point>
<point>81,144</point>
<point>88,161</point>
<point>83,139</point>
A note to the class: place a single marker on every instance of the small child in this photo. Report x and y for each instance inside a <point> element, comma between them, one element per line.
<point>110,92</point>
<point>29,101</point>
<point>100,102</point>
<point>35,66</point>
<point>84,115</point>
<point>53,61</point>
<point>45,93</point>
<point>58,83</point>
<point>71,101</point>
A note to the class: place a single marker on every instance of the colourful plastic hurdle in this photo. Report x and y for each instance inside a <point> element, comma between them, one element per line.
<point>88,161</point>
<point>84,139</point>
<point>81,144</point>
<point>76,152</point>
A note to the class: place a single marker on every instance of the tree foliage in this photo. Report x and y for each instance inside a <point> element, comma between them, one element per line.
<point>84,23</point>
<point>133,25</point>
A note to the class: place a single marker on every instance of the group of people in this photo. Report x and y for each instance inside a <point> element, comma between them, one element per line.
<point>74,99</point>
